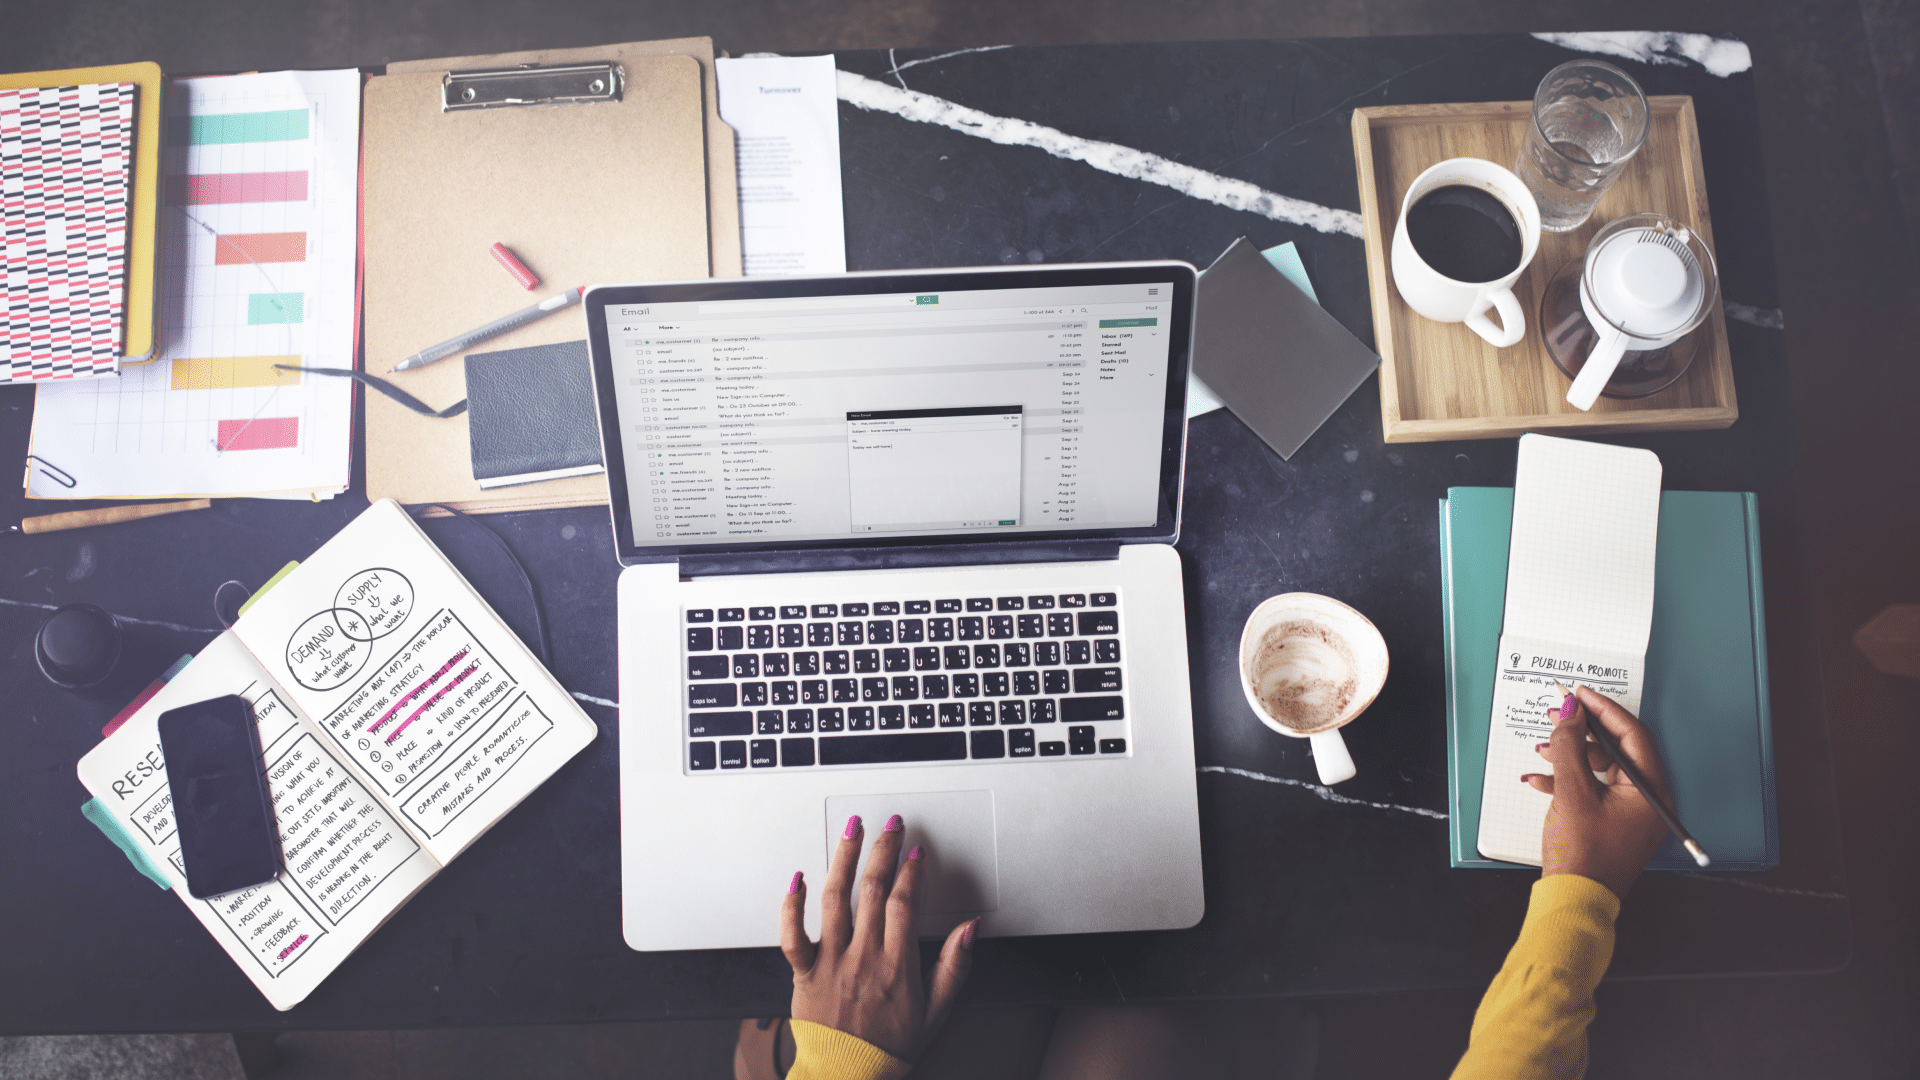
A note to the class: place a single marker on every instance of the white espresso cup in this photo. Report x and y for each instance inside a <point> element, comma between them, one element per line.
<point>1309,665</point>
<point>1443,299</point>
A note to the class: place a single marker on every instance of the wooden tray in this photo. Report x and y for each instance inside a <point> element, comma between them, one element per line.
<point>1442,381</point>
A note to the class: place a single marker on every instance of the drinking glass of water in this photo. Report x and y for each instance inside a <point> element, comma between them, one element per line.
<point>1589,119</point>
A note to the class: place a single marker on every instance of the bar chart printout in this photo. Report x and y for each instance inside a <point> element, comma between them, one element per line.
<point>259,228</point>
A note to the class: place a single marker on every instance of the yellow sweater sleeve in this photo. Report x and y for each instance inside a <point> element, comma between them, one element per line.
<point>1532,1023</point>
<point>822,1053</point>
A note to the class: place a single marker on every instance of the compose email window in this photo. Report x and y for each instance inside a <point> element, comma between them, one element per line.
<point>934,470</point>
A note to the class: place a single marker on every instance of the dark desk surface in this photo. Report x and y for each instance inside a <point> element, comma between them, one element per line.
<point>1307,893</point>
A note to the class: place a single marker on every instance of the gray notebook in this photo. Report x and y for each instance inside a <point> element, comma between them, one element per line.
<point>1275,359</point>
<point>530,414</point>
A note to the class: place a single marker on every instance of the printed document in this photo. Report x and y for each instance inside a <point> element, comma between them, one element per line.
<point>258,253</point>
<point>786,122</point>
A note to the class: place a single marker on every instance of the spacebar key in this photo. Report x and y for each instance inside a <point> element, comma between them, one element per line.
<point>886,749</point>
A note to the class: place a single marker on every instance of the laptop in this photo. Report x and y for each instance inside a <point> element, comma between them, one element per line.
<point>901,543</point>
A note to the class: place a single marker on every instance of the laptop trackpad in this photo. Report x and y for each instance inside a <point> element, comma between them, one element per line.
<point>956,827</point>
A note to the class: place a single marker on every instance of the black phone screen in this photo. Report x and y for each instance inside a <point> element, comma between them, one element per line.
<point>228,838</point>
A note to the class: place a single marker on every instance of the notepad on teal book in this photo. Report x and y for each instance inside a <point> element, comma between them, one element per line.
<point>1706,684</point>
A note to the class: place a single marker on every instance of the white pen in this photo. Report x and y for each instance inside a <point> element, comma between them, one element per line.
<point>498,326</point>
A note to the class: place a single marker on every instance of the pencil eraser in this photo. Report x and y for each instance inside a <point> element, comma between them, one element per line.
<point>527,278</point>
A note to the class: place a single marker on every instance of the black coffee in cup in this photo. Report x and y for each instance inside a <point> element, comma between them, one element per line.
<point>1465,233</point>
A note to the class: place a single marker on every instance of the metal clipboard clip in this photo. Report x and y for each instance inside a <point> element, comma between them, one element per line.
<point>531,84</point>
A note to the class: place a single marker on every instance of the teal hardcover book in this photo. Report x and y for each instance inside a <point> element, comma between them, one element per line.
<point>1706,687</point>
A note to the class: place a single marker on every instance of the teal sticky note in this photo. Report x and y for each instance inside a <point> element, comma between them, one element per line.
<point>96,811</point>
<point>1286,259</point>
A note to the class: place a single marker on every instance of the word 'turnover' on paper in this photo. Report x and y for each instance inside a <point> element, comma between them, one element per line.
<point>1578,611</point>
<point>786,121</point>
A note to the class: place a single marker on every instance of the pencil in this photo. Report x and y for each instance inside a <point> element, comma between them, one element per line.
<point>106,515</point>
<point>1606,740</point>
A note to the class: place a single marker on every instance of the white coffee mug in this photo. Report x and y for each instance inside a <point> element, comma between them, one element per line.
<point>1443,299</point>
<point>1309,665</point>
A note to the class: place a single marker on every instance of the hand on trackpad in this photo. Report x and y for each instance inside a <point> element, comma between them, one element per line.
<point>955,828</point>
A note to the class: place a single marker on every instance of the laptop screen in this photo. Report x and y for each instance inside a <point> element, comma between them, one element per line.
<point>965,406</point>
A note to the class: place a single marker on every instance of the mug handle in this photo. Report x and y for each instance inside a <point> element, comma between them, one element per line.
<point>1331,758</point>
<point>1513,323</point>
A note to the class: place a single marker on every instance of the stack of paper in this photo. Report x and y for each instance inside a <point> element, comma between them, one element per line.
<point>786,122</point>
<point>259,240</point>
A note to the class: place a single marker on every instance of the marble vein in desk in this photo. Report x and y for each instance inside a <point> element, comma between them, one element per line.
<point>875,96</point>
<point>1323,792</point>
<point>123,618</point>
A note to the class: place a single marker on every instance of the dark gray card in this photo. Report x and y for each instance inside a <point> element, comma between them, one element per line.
<point>530,414</point>
<point>1278,361</point>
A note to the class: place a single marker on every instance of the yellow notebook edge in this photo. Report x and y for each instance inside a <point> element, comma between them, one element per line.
<point>319,494</point>
<point>143,239</point>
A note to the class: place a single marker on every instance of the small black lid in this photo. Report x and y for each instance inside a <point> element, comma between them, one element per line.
<point>78,646</point>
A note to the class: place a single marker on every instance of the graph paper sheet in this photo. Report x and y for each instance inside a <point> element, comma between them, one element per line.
<point>66,162</point>
<point>1579,609</point>
<point>259,245</point>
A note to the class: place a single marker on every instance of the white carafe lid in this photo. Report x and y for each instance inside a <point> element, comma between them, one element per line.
<point>1646,281</point>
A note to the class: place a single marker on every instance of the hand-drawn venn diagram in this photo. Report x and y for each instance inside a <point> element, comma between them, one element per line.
<point>335,644</point>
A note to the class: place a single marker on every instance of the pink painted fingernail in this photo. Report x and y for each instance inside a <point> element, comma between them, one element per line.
<point>893,824</point>
<point>1524,777</point>
<point>1567,707</point>
<point>966,936</point>
<point>914,854</point>
<point>853,828</point>
<point>1541,745</point>
<point>794,885</point>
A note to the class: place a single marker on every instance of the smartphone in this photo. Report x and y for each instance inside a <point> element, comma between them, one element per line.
<point>228,837</point>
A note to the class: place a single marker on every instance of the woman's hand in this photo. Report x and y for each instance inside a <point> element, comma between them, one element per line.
<point>1604,831</point>
<point>863,977</point>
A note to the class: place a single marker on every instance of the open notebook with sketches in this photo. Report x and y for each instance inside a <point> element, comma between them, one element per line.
<point>399,719</point>
<point>1579,609</point>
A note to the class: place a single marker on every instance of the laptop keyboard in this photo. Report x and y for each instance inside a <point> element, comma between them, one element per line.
<point>888,682</point>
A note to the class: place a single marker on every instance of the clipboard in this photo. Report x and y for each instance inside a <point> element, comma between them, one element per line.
<point>143,208</point>
<point>633,181</point>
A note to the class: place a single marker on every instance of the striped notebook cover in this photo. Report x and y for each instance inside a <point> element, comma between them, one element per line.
<point>66,165</point>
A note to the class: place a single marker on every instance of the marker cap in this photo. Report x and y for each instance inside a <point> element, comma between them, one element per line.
<point>527,278</point>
